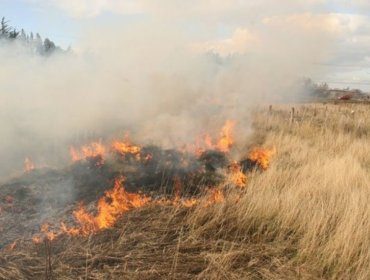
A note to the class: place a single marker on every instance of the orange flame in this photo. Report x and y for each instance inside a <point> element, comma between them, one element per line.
<point>262,156</point>
<point>215,196</point>
<point>148,157</point>
<point>236,176</point>
<point>189,202</point>
<point>28,165</point>
<point>125,147</point>
<point>45,233</point>
<point>92,150</point>
<point>49,234</point>
<point>36,239</point>
<point>115,202</point>
<point>68,231</point>
<point>223,144</point>
<point>226,140</point>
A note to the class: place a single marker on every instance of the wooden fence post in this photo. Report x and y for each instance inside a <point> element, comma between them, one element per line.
<point>292,115</point>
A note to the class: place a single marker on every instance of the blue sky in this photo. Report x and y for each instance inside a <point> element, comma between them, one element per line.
<point>51,23</point>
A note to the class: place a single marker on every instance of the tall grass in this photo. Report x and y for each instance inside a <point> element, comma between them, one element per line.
<point>308,215</point>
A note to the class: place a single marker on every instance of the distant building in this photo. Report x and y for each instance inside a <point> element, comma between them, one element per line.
<point>346,94</point>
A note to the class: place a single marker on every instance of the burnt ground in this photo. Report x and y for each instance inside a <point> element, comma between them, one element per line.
<point>46,195</point>
<point>50,196</point>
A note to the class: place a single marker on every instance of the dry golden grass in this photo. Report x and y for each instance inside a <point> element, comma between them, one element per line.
<point>306,217</point>
<point>309,213</point>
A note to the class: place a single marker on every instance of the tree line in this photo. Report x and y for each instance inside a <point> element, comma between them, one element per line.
<point>33,41</point>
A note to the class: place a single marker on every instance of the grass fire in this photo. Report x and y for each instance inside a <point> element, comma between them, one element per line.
<point>131,178</point>
<point>184,140</point>
<point>144,164</point>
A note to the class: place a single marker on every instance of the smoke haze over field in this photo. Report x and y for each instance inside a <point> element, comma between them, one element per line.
<point>154,79</point>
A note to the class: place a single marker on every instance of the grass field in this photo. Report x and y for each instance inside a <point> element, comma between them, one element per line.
<point>306,217</point>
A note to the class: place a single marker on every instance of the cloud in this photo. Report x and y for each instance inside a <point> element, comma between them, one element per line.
<point>240,42</point>
<point>307,21</point>
<point>93,8</point>
<point>214,9</point>
<point>344,23</point>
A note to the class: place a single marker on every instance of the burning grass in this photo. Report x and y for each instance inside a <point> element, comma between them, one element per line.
<point>305,217</point>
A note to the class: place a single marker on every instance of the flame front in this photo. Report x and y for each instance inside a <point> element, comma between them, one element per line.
<point>50,235</point>
<point>262,156</point>
<point>236,176</point>
<point>125,147</point>
<point>92,150</point>
<point>36,239</point>
<point>115,202</point>
<point>226,140</point>
<point>118,201</point>
<point>224,143</point>
<point>215,196</point>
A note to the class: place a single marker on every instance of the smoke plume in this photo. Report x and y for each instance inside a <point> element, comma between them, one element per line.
<point>154,79</point>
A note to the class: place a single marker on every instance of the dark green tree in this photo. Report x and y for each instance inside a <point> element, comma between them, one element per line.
<point>49,46</point>
<point>5,28</point>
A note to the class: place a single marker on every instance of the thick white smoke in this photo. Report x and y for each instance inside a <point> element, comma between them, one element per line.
<point>151,79</point>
